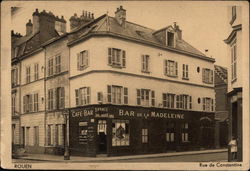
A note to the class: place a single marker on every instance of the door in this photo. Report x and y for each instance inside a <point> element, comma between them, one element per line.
<point>102,136</point>
<point>23,136</point>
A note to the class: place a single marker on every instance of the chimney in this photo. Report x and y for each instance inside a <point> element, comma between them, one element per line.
<point>120,16</point>
<point>83,19</point>
<point>178,31</point>
<point>35,21</point>
<point>60,24</point>
<point>29,27</point>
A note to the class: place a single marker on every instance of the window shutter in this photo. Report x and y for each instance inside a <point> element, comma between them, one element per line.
<point>166,67</point>
<point>176,68</point>
<point>24,104</point>
<point>212,76</point>
<point>190,102</point>
<point>109,56</point>
<point>87,58</point>
<point>109,94</point>
<point>138,96</point>
<point>153,98</point>
<point>124,58</point>
<point>212,104</point>
<point>78,61</point>
<point>143,63</point>
<point>62,97</point>
<point>187,71</point>
<point>203,101</point>
<point>77,96</point>
<point>31,103</point>
<point>183,70</point>
<point>203,74</point>
<point>54,98</point>
<point>125,95</point>
<point>88,95</point>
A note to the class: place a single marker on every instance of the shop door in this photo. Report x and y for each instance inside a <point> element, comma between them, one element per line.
<point>206,134</point>
<point>102,136</point>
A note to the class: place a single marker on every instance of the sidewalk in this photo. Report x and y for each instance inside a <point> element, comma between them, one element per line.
<point>56,158</point>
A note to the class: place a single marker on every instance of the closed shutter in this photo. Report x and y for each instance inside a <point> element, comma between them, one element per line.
<point>62,97</point>
<point>109,94</point>
<point>176,68</point>
<point>211,76</point>
<point>88,95</point>
<point>166,67</point>
<point>55,97</point>
<point>24,104</point>
<point>212,104</point>
<point>109,56</point>
<point>138,96</point>
<point>86,58</point>
<point>204,103</point>
<point>153,98</point>
<point>143,63</point>
<point>190,102</point>
<point>78,61</point>
<point>77,97</point>
<point>30,103</point>
<point>125,95</point>
<point>124,58</point>
<point>203,75</point>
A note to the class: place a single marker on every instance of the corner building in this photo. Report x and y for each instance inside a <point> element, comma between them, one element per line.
<point>137,90</point>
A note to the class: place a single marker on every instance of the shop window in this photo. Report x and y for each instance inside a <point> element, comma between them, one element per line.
<point>145,63</point>
<point>36,72</point>
<point>83,132</point>
<point>207,75</point>
<point>83,60</point>
<point>184,132</point>
<point>117,94</point>
<point>120,133</point>
<point>168,100</point>
<point>144,135</point>
<point>36,136</point>
<point>116,57</point>
<point>171,68</point>
<point>170,132</point>
<point>144,96</point>
<point>82,96</point>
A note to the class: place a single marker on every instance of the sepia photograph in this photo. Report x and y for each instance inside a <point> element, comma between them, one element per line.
<point>125,85</point>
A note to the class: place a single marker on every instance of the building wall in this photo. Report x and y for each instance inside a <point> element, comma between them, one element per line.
<point>16,131</point>
<point>98,59</point>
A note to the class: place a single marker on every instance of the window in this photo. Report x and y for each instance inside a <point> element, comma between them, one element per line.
<point>36,75</point>
<point>50,67</point>
<point>183,101</point>
<point>120,133</point>
<point>184,134</point>
<point>117,94</point>
<point>168,100</point>
<point>82,96</point>
<point>116,57</point>
<point>28,74</point>
<point>145,63</point>
<point>59,134</point>
<point>58,64</point>
<point>185,71</point>
<point>14,76</point>
<point>27,135</point>
<point>50,135</point>
<point>208,104</point>
<point>171,68</point>
<point>50,99</point>
<point>36,136</point>
<point>13,104</point>
<point>190,102</point>
<point>144,135</point>
<point>143,97</point>
<point>233,61</point>
<point>60,96</point>
<point>82,60</point>
<point>207,76</point>
<point>170,39</point>
<point>27,103</point>
<point>35,102</point>
<point>170,132</point>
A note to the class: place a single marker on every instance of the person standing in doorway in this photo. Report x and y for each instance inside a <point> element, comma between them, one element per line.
<point>233,147</point>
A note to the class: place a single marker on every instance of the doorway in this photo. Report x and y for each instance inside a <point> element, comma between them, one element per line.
<point>102,136</point>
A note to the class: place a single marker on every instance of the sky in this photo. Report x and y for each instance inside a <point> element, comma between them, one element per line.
<point>204,24</point>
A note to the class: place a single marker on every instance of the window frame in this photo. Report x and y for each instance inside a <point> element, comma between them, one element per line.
<point>57,63</point>
<point>233,61</point>
<point>171,68</point>
<point>115,60</point>
<point>36,71</point>
<point>144,135</point>
<point>185,75</point>
<point>145,59</point>
<point>82,60</point>
<point>28,80</point>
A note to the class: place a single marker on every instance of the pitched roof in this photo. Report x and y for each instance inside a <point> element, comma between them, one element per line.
<point>221,72</point>
<point>107,24</point>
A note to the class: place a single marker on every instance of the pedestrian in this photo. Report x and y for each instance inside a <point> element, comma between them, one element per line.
<point>233,147</point>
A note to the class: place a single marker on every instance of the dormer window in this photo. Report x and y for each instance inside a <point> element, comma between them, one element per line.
<point>170,39</point>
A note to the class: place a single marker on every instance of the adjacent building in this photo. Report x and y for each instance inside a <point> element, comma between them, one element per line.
<point>127,89</point>
<point>235,76</point>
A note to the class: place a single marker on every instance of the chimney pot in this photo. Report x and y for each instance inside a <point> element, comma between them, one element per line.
<point>92,15</point>
<point>89,15</point>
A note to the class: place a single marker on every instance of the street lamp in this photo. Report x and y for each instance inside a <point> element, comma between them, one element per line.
<point>66,143</point>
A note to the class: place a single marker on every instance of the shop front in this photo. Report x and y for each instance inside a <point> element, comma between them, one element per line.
<point>126,130</point>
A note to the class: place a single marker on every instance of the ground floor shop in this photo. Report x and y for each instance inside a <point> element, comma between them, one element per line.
<point>121,130</point>
<point>235,121</point>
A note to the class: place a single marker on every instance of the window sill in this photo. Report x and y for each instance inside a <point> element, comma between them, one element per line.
<point>117,66</point>
<point>184,78</point>
<point>173,76</point>
<point>82,68</point>
<point>147,72</point>
<point>234,80</point>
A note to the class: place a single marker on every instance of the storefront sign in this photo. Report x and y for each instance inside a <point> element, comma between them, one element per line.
<point>150,114</point>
